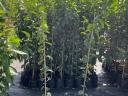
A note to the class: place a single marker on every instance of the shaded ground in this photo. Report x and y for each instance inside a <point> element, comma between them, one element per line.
<point>104,88</point>
<point>16,89</point>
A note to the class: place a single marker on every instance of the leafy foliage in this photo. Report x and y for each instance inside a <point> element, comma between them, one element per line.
<point>61,35</point>
<point>8,43</point>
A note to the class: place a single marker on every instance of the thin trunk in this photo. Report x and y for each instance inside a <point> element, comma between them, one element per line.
<point>72,65</point>
<point>52,54</point>
<point>62,62</point>
<point>76,60</point>
<point>45,75</point>
<point>86,72</point>
<point>45,71</point>
<point>123,72</point>
<point>72,59</point>
<point>33,73</point>
<point>88,57</point>
<point>73,53</point>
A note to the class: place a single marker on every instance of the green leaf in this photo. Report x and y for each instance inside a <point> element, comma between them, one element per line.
<point>2,11</point>
<point>13,40</point>
<point>19,52</point>
<point>26,34</point>
<point>49,57</point>
<point>41,8</point>
<point>13,70</point>
<point>82,33</point>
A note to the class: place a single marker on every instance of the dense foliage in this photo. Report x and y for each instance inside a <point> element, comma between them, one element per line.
<point>61,35</point>
<point>9,43</point>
